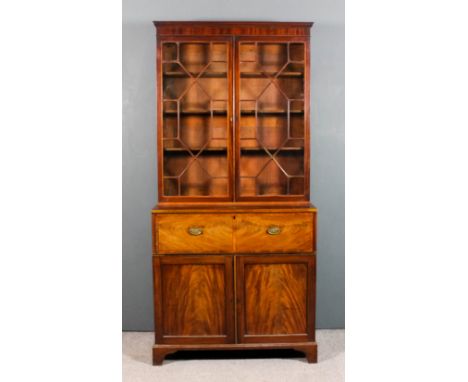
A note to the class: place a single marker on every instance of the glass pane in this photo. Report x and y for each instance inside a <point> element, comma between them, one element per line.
<point>271,96</point>
<point>195,118</point>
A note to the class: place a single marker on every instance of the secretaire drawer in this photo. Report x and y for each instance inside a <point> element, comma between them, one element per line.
<point>275,232</point>
<point>194,233</point>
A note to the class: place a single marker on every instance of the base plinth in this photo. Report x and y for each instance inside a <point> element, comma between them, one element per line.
<point>308,348</point>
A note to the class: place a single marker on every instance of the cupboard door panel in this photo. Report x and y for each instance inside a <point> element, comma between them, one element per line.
<point>194,299</point>
<point>276,298</point>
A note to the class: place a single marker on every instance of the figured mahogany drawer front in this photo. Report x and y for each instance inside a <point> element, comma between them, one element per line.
<point>276,232</point>
<point>194,233</point>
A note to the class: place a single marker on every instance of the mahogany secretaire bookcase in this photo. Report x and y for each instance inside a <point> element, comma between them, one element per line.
<point>234,232</point>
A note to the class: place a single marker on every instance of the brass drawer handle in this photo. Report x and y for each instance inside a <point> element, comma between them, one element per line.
<point>273,230</point>
<point>195,231</point>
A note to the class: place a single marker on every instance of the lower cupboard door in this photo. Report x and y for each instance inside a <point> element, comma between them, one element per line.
<point>193,299</point>
<point>275,298</point>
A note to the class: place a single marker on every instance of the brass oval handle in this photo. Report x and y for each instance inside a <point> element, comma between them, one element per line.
<point>195,231</point>
<point>273,230</point>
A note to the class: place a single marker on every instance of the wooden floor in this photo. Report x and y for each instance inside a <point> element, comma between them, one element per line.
<point>255,366</point>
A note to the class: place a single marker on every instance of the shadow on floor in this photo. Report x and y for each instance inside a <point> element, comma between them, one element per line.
<point>236,354</point>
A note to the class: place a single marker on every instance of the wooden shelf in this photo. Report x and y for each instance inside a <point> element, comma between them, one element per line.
<point>204,75</point>
<point>208,149</point>
<point>272,149</point>
<point>223,112</point>
<point>224,74</point>
<point>270,74</point>
<point>196,112</point>
<point>277,111</point>
<point>223,149</point>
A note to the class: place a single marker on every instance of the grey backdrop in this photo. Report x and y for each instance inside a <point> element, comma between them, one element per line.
<point>139,138</point>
